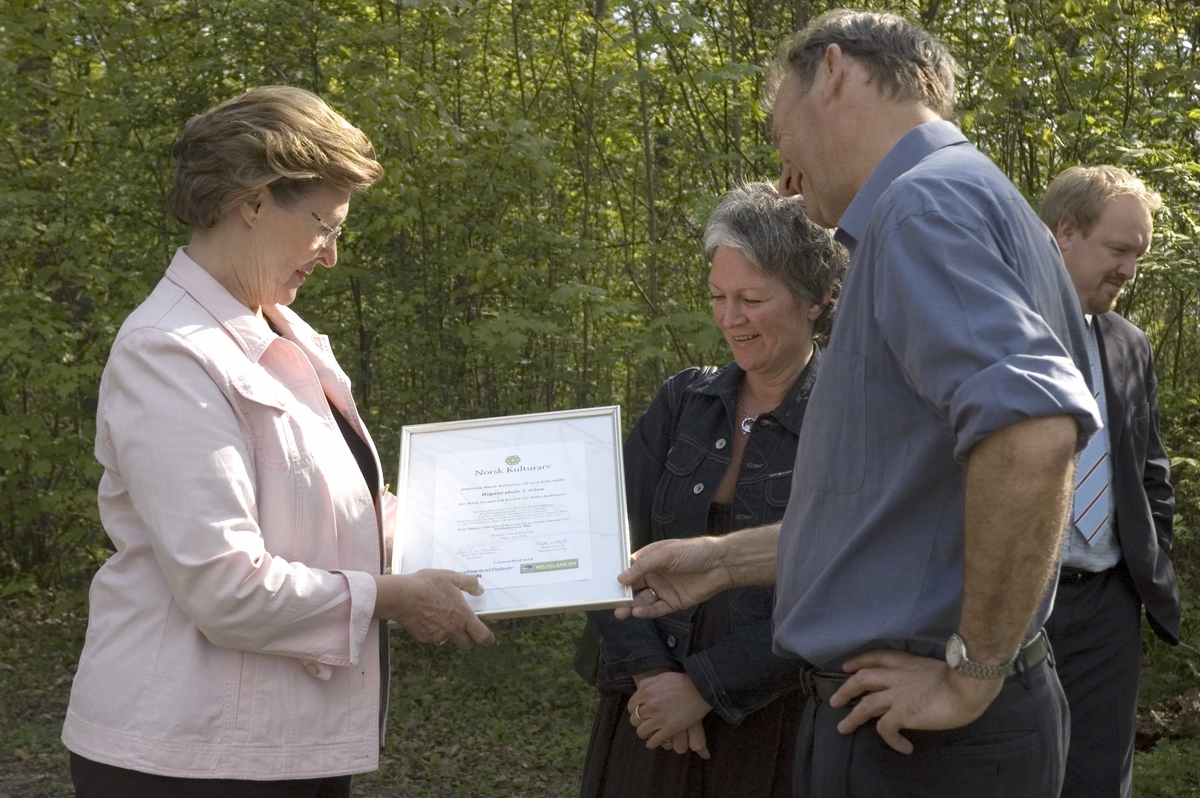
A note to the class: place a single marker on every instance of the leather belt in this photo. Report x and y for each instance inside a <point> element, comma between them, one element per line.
<point>1069,576</point>
<point>823,684</point>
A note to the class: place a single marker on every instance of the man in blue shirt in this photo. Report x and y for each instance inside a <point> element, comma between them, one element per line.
<point>933,475</point>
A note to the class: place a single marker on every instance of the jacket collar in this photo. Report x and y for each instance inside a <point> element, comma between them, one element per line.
<point>910,150</point>
<point>790,412</point>
<point>334,381</point>
<point>250,331</point>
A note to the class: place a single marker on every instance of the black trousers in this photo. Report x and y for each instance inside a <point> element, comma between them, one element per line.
<point>1096,630</point>
<point>96,780</point>
<point>1017,748</point>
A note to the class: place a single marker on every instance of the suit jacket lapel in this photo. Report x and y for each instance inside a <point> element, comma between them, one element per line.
<point>1112,365</point>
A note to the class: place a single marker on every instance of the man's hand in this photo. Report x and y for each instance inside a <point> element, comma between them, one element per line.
<point>909,692</point>
<point>668,707</point>
<point>672,575</point>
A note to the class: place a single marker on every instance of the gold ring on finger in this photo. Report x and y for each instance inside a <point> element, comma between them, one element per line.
<point>654,593</point>
<point>668,744</point>
<point>637,713</point>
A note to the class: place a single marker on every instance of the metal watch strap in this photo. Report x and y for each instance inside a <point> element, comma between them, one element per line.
<point>981,671</point>
<point>967,667</point>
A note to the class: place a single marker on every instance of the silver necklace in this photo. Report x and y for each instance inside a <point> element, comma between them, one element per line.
<point>747,419</point>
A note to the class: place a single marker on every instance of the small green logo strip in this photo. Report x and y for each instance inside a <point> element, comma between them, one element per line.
<point>553,565</point>
<point>512,459</point>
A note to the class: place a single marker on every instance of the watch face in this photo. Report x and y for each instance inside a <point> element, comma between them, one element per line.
<point>954,652</point>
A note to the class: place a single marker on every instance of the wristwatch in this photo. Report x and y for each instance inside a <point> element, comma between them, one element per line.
<point>957,659</point>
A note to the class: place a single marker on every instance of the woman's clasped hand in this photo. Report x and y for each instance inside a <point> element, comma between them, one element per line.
<point>430,607</point>
<point>667,711</point>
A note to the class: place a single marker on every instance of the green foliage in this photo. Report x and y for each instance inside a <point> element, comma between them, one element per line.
<point>1170,770</point>
<point>535,242</point>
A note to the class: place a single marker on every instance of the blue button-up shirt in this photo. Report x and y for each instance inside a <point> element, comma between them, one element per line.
<point>957,318</point>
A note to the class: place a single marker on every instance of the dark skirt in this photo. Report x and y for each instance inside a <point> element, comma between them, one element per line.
<point>752,760</point>
<point>97,780</point>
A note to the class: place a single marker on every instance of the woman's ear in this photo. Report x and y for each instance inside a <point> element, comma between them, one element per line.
<point>818,308</point>
<point>251,209</point>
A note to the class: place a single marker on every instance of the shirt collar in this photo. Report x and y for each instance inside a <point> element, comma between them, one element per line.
<point>790,411</point>
<point>910,150</point>
<point>250,331</point>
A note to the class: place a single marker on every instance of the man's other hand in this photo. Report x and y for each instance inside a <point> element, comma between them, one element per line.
<point>909,692</point>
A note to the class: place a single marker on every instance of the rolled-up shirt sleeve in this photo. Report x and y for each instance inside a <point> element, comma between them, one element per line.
<point>173,441</point>
<point>962,325</point>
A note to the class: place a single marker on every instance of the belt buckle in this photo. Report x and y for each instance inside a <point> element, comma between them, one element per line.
<point>1075,575</point>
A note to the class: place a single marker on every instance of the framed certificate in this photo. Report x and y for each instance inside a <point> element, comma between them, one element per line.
<point>533,505</point>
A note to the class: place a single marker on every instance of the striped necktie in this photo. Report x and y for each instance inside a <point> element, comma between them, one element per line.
<point>1092,488</point>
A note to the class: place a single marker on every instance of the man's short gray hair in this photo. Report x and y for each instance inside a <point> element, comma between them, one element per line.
<point>904,60</point>
<point>775,234</point>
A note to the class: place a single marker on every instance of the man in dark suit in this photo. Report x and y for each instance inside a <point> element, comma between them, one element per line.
<point>1116,555</point>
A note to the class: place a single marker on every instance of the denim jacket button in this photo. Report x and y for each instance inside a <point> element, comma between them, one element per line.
<point>698,487</point>
<point>720,444</point>
<point>671,641</point>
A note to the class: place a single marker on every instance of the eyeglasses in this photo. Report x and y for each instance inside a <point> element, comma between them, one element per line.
<point>331,233</point>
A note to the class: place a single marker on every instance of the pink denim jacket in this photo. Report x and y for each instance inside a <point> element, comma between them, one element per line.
<point>230,635</point>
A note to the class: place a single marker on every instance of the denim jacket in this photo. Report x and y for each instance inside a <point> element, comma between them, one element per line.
<point>675,458</point>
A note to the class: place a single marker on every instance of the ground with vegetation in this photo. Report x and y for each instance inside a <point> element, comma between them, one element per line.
<point>512,720</point>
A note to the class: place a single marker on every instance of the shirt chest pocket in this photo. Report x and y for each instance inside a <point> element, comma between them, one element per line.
<point>832,453</point>
<point>678,481</point>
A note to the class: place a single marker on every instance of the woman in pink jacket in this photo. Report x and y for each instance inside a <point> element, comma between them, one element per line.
<point>237,639</point>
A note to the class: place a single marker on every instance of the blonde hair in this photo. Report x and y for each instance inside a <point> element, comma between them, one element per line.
<point>278,137</point>
<point>1079,194</point>
<point>903,59</point>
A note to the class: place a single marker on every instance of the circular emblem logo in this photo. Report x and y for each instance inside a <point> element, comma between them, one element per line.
<point>512,459</point>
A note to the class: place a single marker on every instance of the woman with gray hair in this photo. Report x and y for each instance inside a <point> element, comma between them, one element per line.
<point>696,703</point>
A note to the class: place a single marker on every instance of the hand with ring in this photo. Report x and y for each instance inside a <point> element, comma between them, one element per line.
<point>667,711</point>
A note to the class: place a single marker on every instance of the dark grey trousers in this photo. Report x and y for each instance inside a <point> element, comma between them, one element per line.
<point>1096,631</point>
<point>1016,748</point>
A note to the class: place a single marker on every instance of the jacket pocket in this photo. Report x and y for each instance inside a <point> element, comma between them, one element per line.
<point>263,405</point>
<point>682,461</point>
<point>1139,431</point>
<point>779,488</point>
<point>247,688</point>
<point>838,431</point>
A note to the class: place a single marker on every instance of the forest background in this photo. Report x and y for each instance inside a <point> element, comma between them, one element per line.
<point>534,245</point>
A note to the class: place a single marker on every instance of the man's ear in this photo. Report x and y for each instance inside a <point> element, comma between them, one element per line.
<point>833,65</point>
<point>1066,234</point>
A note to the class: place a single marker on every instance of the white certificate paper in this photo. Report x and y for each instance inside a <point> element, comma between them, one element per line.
<point>514,516</point>
<point>534,505</point>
